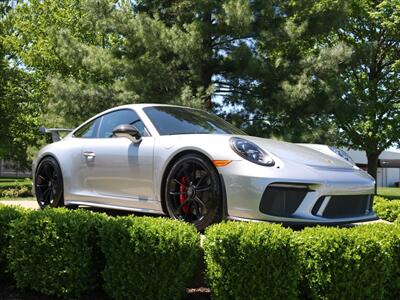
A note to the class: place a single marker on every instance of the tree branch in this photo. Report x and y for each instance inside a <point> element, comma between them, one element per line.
<point>231,40</point>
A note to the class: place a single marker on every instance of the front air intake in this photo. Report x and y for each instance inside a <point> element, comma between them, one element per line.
<point>283,199</point>
<point>348,206</point>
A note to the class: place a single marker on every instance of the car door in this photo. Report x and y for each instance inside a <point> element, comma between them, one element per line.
<point>116,170</point>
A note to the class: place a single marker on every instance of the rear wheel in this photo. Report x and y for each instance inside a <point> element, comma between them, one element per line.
<point>49,188</point>
<point>193,191</point>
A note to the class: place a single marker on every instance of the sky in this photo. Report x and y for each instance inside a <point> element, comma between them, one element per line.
<point>394,149</point>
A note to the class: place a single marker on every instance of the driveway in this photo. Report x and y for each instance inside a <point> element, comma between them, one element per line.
<point>25,204</point>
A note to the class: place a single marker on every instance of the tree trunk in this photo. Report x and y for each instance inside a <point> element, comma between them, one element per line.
<point>206,81</point>
<point>373,164</point>
<point>207,63</point>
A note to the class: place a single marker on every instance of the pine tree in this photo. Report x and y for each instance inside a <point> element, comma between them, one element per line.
<point>99,54</point>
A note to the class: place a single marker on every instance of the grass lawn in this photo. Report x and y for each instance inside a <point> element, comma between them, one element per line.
<point>389,192</point>
<point>6,183</point>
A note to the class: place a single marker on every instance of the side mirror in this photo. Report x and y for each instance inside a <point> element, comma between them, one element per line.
<point>127,131</point>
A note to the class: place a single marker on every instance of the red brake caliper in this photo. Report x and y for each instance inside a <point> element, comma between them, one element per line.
<point>182,197</point>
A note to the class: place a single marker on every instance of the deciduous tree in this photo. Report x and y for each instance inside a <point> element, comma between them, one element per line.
<point>341,63</point>
<point>20,100</point>
<point>367,108</point>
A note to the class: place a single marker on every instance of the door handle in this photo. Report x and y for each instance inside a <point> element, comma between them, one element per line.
<point>89,155</point>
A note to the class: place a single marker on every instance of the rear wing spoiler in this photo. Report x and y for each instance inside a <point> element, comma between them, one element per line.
<point>55,132</point>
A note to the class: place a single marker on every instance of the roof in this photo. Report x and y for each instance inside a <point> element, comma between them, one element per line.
<point>360,157</point>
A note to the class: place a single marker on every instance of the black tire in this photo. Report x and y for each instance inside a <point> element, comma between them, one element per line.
<point>49,188</point>
<point>72,206</point>
<point>193,191</point>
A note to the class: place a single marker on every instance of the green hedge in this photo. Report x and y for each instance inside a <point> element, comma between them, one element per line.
<point>53,251</point>
<point>265,261</point>
<point>64,253</point>
<point>251,261</point>
<point>148,258</point>
<point>388,236</point>
<point>388,210</point>
<point>10,188</point>
<point>346,263</point>
<point>7,215</point>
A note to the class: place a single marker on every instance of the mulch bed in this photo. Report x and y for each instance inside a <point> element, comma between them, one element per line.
<point>8,291</point>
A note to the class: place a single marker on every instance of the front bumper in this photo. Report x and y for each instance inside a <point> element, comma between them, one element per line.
<point>328,195</point>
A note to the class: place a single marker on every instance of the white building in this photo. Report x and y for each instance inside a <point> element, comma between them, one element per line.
<point>388,166</point>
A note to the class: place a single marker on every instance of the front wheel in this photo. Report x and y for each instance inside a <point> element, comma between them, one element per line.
<point>193,191</point>
<point>49,188</point>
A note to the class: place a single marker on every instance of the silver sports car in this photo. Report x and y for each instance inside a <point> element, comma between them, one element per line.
<point>191,165</point>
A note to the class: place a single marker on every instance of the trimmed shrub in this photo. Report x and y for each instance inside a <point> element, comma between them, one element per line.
<point>388,210</point>
<point>343,263</point>
<point>16,189</point>
<point>53,251</point>
<point>7,215</point>
<point>148,258</point>
<point>388,236</point>
<point>251,261</point>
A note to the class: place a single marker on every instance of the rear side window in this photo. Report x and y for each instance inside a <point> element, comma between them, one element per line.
<point>119,117</point>
<point>89,130</point>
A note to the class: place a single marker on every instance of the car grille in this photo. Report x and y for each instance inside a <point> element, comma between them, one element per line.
<point>347,206</point>
<point>283,199</point>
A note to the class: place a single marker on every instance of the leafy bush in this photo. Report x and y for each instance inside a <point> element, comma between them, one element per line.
<point>251,261</point>
<point>7,215</point>
<point>20,191</point>
<point>343,263</point>
<point>388,210</point>
<point>148,258</point>
<point>388,236</point>
<point>16,188</point>
<point>57,252</point>
<point>54,251</point>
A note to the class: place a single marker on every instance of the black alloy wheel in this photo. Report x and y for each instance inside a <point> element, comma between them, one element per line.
<point>49,184</point>
<point>193,191</point>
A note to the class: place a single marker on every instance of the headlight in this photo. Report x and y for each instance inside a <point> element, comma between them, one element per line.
<point>342,154</point>
<point>251,152</point>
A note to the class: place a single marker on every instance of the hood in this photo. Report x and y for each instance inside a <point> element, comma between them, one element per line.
<point>299,154</point>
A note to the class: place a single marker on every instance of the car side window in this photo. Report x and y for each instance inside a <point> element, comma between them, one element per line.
<point>119,117</point>
<point>88,131</point>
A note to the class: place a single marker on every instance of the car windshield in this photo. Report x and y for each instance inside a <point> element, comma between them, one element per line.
<point>170,120</point>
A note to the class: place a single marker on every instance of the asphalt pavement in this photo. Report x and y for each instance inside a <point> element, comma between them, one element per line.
<point>25,204</point>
